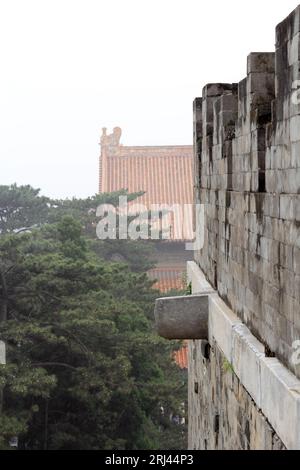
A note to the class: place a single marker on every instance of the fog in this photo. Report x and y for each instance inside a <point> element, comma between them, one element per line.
<point>69,68</point>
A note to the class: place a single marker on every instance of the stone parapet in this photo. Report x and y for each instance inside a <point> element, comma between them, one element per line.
<point>247,161</point>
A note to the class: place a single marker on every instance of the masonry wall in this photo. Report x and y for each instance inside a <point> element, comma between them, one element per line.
<point>247,159</point>
<point>222,414</point>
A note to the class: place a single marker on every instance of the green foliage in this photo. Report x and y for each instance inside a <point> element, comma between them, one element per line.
<point>21,208</point>
<point>227,367</point>
<point>138,255</point>
<point>85,367</point>
<point>189,289</point>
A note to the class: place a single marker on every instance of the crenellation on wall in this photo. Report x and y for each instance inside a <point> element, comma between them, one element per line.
<point>249,181</point>
<point>247,155</point>
<point>258,62</point>
<point>244,387</point>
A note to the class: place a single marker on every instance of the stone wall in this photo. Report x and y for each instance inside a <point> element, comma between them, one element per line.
<point>222,415</point>
<point>247,173</point>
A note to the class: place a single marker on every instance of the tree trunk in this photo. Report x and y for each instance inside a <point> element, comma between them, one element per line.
<point>3,317</point>
<point>46,424</point>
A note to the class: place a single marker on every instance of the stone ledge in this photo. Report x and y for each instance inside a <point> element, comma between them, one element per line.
<point>247,352</point>
<point>221,323</point>
<point>196,278</point>
<point>281,401</point>
<point>182,317</point>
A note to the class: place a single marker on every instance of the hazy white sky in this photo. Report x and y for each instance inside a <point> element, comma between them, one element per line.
<point>71,67</point>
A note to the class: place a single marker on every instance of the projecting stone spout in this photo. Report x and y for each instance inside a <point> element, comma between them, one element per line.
<point>182,317</point>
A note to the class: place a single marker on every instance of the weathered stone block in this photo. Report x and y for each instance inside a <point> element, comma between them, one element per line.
<point>217,89</point>
<point>221,323</point>
<point>261,62</point>
<point>295,128</point>
<point>293,49</point>
<point>289,207</point>
<point>291,181</point>
<point>295,154</point>
<point>271,206</point>
<point>182,317</point>
<point>286,256</point>
<point>281,401</point>
<point>288,28</point>
<point>296,260</point>
<point>246,355</point>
